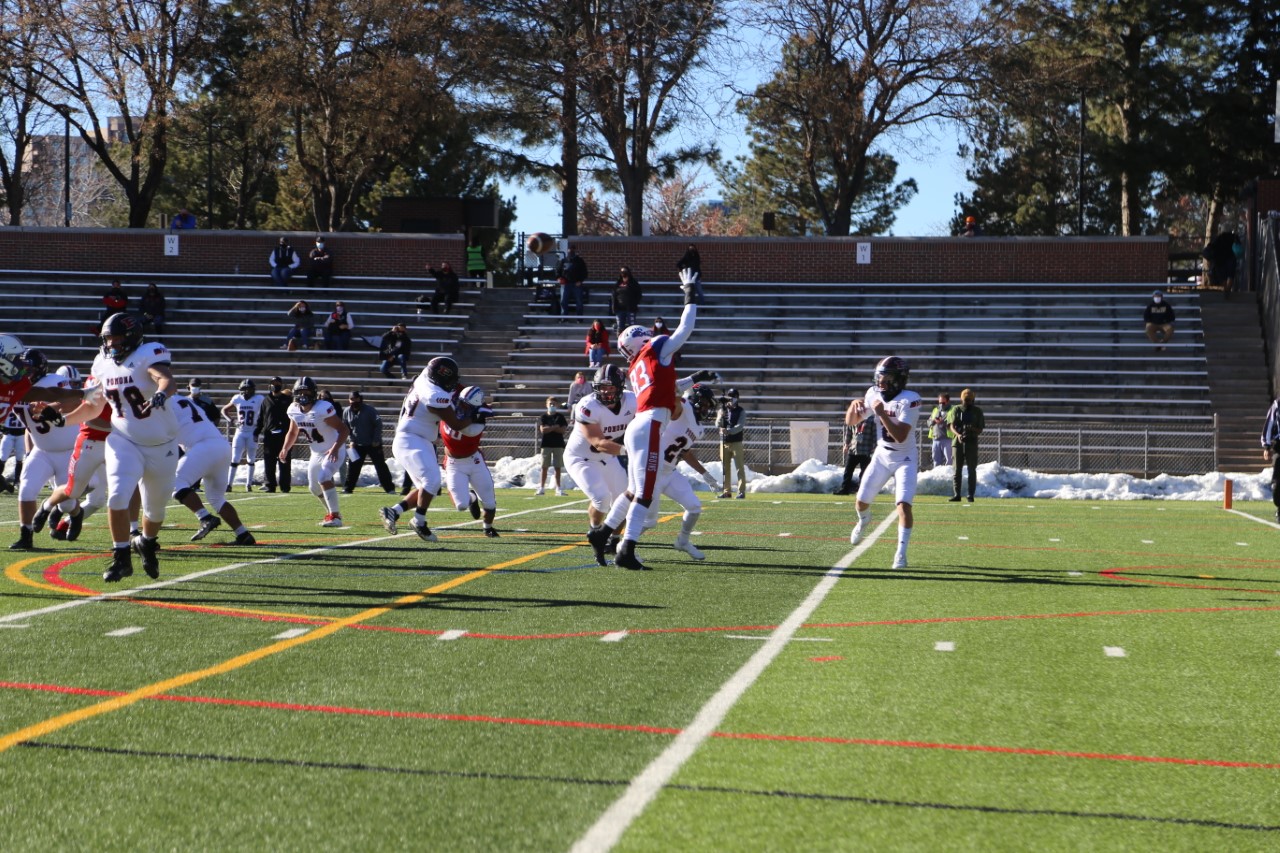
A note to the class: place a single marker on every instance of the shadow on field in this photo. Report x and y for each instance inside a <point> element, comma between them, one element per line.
<point>961,574</point>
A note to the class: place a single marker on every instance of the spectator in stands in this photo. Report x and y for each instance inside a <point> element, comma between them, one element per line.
<point>446,288</point>
<point>578,389</point>
<point>114,300</point>
<point>572,273</point>
<point>692,262</point>
<point>731,420</point>
<point>859,444</point>
<point>153,310</point>
<point>197,394</point>
<point>366,444</point>
<point>1158,318</point>
<point>338,327</point>
<point>938,431</point>
<point>183,219</point>
<point>626,300</point>
<point>971,228</point>
<point>304,326</point>
<point>275,423</point>
<point>1220,258</point>
<point>597,347</point>
<point>552,428</point>
<point>395,348</point>
<point>321,264</point>
<point>1271,450</point>
<point>284,260</point>
<point>966,423</point>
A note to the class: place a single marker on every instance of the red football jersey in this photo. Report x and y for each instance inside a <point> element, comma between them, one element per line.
<point>653,382</point>
<point>11,393</point>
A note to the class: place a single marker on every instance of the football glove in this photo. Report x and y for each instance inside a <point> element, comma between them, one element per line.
<point>706,376</point>
<point>158,400</point>
<point>691,286</point>
<point>50,415</point>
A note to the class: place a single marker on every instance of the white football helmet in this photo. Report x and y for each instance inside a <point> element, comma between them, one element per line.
<point>472,395</point>
<point>70,374</point>
<point>12,364</point>
<point>632,340</point>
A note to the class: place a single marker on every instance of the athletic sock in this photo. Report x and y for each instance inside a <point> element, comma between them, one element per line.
<point>687,523</point>
<point>330,498</point>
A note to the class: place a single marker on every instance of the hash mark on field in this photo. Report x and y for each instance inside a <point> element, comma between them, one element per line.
<point>291,633</point>
<point>783,535</point>
<point>1055,540</point>
<point>1148,541</point>
<point>613,636</point>
<point>1114,652</point>
<point>10,625</point>
<point>743,637</point>
<point>124,632</point>
<point>452,635</point>
<point>1243,544</point>
<point>1075,574</point>
<point>944,646</point>
<point>963,538</point>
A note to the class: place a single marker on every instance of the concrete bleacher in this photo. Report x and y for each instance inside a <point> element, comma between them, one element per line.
<point>1033,351</point>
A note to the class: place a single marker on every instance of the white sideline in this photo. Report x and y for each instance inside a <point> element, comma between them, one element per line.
<point>608,829</point>
<point>125,593</point>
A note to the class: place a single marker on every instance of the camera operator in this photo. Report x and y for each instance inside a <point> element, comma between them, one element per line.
<point>966,423</point>
<point>1271,450</point>
<point>731,420</point>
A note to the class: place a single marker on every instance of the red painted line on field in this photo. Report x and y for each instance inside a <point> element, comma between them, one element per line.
<point>1121,574</point>
<point>653,730</point>
<point>826,658</point>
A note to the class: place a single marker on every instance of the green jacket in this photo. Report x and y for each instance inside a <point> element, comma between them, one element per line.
<point>939,430</point>
<point>965,424</point>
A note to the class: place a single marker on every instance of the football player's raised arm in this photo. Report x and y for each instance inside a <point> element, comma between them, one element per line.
<point>677,339</point>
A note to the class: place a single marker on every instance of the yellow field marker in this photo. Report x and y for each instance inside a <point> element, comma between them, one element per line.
<point>70,718</point>
<point>14,573</point>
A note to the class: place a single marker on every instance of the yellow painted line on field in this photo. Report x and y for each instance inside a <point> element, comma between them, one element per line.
<point>14,573</point>
<point>70,718</point>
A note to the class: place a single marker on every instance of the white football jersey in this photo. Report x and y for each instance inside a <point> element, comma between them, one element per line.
<point>12,421</point>
<point>416,417</point>
<point>193,425</point>
<point>591,411</point>
<point>905,407</point>
<point>46,436</point>
<point>322,435</point>
<point>248,411</point>
<point>678,435</point>
<point>129,388</point>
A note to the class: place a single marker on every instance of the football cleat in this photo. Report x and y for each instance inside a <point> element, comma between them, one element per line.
<point>74,523</point>
<point>683,544</point>
<point>611,547</point>
<point>245,538</point>
<point>474,506</point>
<point>856,536</point>
<point>331,519</point>
<point>55,516</point>
<point>389,519</point>
<point>25,541</point>
<point>598,539</point>
<point>423,531</point>
<point>208,524</point>
<point>149,551</point>
<point>491,533</point>
<point>59,531</point>
<point>899,561</point>
<point>37,523</point>
<point>627,559</point>
<point>121,566</point>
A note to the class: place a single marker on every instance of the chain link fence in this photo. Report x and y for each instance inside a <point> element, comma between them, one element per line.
<point>1048,446</point>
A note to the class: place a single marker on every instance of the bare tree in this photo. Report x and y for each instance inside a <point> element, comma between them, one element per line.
<point>20,115</point>
<point>853,73</point>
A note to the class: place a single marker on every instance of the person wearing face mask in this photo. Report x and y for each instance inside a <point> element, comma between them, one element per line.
<point>552,428</point>
<point>321,268</point>
<point>1158,318</point>
<point>275,422</point>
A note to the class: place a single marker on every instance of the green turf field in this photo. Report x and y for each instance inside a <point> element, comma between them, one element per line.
<point>1047,675</point>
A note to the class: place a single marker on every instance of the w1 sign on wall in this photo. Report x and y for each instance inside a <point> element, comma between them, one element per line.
<point>864,253</point>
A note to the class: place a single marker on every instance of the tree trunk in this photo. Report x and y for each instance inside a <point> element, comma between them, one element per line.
<point>570,154</point>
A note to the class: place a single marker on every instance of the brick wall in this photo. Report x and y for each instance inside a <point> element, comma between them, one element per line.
<point>1268,195</point>
<point>802,260</point>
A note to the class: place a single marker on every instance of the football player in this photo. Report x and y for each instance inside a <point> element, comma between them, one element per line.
<point>895,410</point>
<point>428,404</point>
<point>678,437</point>
<point>652,373</point>
<point>593,453</point>
<point>328,436</point>
<point>48,443</point>
<point>207,456</point>
<point>142,447</point>
<point>466,475</point>
<point>17,386</point>
<point>13,443</point>
<point>245,411</point>
<point>85,471</point>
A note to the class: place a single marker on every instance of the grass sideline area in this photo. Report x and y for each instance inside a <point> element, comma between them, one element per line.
<point>1048,675</point>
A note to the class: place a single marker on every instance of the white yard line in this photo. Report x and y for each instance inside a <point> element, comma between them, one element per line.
<point>614,637</point>
<point>453,635</point>
<point>944,646</point>
<point>124,632</point>
<point>291,633</point>
<point>1113,651</point>
<point>125,593</point>
<point>643,788</point>
<point>1242,514</point>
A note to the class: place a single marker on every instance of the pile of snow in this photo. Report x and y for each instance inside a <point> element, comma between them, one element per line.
<point>994,481</point>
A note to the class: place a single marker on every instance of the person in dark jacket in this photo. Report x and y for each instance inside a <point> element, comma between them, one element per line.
<point>446,288</point>
<point>275,423</point>
<point>965,422</point>
<point>321,264</point>
<point>597,344</point>
<point>153,309</point>
<point>731,421</point>
<point>572,273</point>
<point>692,262</point>
<point>1158,318</point>
<point>283,260</point>
<point>114,301</point>
<point>366,443</point>
<point>395,348</point>
<point>626,300</point>
<point>859,444</point>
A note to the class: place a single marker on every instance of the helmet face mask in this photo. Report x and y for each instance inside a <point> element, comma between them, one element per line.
<point>443,371</point>
<point>607,384</point>
<point>305,392</point>
<point>891,376</point>
<point>12,365</point>
<point>247,388</point>
<point>37,364</point>
<point>121,335</point>
<point>632,340</point>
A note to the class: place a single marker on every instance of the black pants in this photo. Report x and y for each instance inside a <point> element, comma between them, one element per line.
<point>272,444</point>
<point>448,297</point>
<point>966,456</point>
<point>1275,478</point>
<point>368,453</point>
<point>852,461</point>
